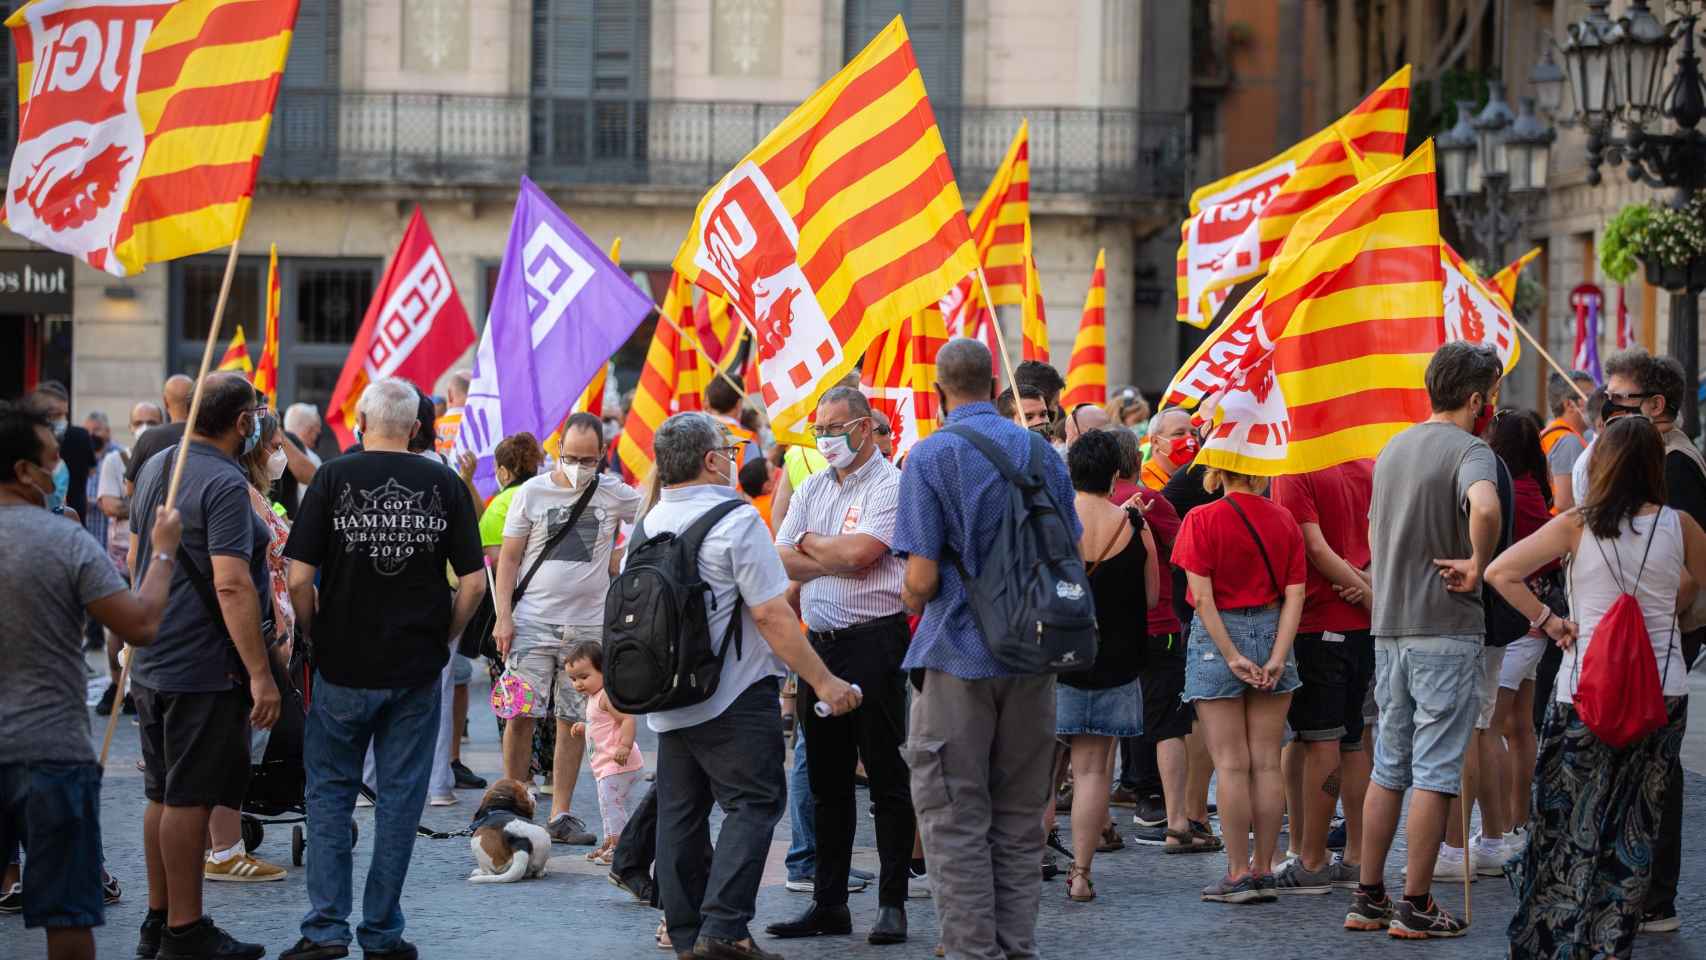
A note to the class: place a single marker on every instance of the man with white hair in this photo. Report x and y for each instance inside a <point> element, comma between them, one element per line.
<point>449,423</point>
<point>302,428</point>
<point>377,527</point>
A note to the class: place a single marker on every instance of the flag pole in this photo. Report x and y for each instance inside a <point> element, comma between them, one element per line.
<point>1548,358</point>
<point>721,371</point>
<point>1001,341</point>
<point>178,466</point>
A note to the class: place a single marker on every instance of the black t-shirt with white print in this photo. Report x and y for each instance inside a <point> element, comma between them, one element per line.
<point>381,526</point>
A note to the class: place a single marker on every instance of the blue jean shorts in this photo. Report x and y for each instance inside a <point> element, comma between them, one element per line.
<point>1427,691</point>
<point>1111,712</point>
<point>1252,630</point>
<point>55,810</point>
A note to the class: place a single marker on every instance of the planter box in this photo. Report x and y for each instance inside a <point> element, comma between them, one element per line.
<point>1677,279</point>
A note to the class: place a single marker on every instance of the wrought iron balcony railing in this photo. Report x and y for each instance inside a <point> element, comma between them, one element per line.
<point>434,138</point>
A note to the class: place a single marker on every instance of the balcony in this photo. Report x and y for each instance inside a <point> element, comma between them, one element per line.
<point>461,139</point>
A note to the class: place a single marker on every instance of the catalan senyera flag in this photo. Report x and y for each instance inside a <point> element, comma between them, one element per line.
<point>842,222</point>
<point>717,329</point>
<point>266,369</point>
<point>1475,311</point>
<point>671,381</point>
<point>1000,220</point>
<point>899,376</point>
<point>141,124</point>
<point>1087,374</point>
<point>1323,360</point>
<point>236,356</point>
<point>1238,223</point>
<point>1505,280</point>
<point>1033,319</point>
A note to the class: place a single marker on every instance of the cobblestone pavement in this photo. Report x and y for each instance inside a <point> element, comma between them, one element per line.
<point>1147,902</point>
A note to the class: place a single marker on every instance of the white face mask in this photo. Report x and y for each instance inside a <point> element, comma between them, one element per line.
<point>572,474</point>
<point>276,463</point>
<point>839,450</point>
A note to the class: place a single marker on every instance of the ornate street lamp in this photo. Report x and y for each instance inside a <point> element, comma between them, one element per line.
<point>1493,166</point>
<point>1615,71</point>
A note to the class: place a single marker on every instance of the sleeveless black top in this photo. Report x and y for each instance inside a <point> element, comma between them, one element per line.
<point>1122,615</point>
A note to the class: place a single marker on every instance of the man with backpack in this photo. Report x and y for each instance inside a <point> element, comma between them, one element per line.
<point>698,634</point>
<point>982,723</point>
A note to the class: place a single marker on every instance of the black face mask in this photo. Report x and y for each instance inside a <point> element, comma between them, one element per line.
<point>1611,411</point>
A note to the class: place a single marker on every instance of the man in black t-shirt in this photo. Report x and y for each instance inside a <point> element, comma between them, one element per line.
<point>378,528</point>
<point>175,397</point>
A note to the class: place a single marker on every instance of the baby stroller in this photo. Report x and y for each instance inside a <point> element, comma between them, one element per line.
<point>277,784</point>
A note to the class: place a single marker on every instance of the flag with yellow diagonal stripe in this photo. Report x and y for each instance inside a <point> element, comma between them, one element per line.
<point>1087,372</point>
<point>141,125</point>
<point>843,221</point>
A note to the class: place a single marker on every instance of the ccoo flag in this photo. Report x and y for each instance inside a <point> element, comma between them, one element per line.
<point>560,309</point>
<point>841,223</point>
<point>415,327</point>
<point>141,124</point>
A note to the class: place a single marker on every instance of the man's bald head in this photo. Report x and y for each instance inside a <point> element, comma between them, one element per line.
<point>963,371</point>
<point>177,393</point>
<point>1085,418</point>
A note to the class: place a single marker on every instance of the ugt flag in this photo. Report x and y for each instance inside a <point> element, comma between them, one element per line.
<point>559,311</point>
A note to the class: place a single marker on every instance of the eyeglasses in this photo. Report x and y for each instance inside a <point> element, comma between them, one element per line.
<point>834,430</point>
<point>1623,398</point>
<point>590,463</point>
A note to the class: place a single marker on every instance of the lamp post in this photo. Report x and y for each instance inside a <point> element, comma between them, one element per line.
<point>1494,170</point>
<point>1615,71</point>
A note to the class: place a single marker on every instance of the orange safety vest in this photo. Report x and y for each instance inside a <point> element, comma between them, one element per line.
<point>1151,476</point>
<point>1554,432</point>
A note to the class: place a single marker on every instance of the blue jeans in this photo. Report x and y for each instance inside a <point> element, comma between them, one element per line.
<point>54,810</point>
<point>402,726</point>
<point>1427,689</point>
<point>802,814</point>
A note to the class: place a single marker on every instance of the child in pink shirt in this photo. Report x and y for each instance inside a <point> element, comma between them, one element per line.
<point>616,762</point>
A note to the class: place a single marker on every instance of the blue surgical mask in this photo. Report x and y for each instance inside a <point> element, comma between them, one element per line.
<point>61,483</point>
<point>253,440</point>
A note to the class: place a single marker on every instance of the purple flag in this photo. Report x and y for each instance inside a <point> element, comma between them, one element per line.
<point>560,310</point>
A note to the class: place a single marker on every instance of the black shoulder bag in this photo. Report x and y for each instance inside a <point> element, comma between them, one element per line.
<point>1260,548</point>
<point>476,639</point>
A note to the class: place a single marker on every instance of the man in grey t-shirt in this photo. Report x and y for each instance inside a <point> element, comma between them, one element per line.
<point>55,575</point>
<point>1433,526</point>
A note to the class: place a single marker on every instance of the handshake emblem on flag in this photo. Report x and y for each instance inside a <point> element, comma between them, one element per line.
<point>750,245</point>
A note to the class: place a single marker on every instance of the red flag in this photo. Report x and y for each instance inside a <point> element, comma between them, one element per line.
<point>1625,329</point>
<point>415,327</point>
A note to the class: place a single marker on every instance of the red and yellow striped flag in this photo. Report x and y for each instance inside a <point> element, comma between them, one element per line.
<point>1323,360</point>
<point>717,329</point>
<point>1505,280</point>
<point>999,222</point>
<point>1033,320</point>
<point>141,125</point>
<point>1087,375</point>
<point>843,221</point>
<point>236,356</point>
<point>899,376</point>
<point>1238,223</point>
<point>266,369</point>
<point>671,381</point>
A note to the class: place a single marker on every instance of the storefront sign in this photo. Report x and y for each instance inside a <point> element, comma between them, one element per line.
<point>35,281</point>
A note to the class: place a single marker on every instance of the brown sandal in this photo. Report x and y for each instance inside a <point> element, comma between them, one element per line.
<point>1073,873</point>
<point>1188,843</point>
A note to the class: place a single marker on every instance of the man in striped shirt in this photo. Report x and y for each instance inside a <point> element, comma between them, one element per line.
<point>836,542</point>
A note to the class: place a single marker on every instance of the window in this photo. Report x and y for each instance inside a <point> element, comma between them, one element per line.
<point>937,31</point>
<point>330,302</point>
<point>591,65</point>
<point>303,141</point>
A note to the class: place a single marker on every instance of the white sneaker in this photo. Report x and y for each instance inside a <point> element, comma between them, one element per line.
<point>1516,842</point>
<point>917,885</point>
<point>448,800</point>
<point>1490,856</point>
<point>1450,864</point>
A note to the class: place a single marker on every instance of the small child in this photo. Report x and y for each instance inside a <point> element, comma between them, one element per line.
<point>616,762</point>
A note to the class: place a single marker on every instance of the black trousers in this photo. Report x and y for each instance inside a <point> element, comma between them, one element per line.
<point>1667,849</point>
<point>869,655</point>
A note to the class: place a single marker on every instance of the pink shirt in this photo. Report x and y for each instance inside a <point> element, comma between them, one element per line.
<point>603,731</point>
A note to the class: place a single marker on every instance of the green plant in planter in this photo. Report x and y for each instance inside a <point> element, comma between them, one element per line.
<point>1624,238</point>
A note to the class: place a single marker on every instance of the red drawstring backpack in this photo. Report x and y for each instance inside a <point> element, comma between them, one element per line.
<point>1619,689</point>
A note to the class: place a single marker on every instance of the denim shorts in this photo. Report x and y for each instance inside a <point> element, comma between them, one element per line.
<point>1252,630</point>
<point>55,809</point>
<point>1427,691</point>
<point>1111,712</point>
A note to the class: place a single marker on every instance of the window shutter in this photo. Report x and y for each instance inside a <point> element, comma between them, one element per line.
<point>937,31</point>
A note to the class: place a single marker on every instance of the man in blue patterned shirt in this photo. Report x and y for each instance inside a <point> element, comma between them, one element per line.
<point>980,735</point>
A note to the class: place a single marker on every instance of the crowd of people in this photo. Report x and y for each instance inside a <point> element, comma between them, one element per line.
<point>1333,651</point>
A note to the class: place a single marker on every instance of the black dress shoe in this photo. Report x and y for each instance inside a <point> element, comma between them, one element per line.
<point>817,921</point>
<point>306,949</point>
<point>890,926</point>
<point>466,779</point>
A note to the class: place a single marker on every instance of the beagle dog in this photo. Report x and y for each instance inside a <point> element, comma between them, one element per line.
<point>507,844</point>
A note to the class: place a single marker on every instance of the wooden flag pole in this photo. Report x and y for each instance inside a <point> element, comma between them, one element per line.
<point>721,371</point>
<point>1548,358</point>
<point>177,470</point>
<point>1001,341</point>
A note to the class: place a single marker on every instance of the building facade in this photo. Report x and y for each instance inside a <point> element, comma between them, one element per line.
<point>626,111</point>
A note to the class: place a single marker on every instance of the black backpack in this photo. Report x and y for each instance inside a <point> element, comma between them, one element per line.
<point>1032,597</point>
<point>657,634</point>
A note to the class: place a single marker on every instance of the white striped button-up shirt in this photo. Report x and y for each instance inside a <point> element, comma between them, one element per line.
<point>867,502</point>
